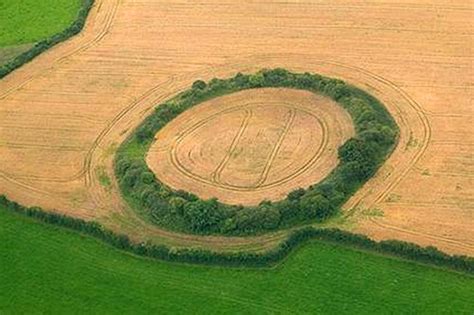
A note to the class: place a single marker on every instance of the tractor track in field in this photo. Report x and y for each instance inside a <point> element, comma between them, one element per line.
<point>110,6</point>
<point>182,169</point>
<point>427,132</point>
<point>111,9</point>
<point>318,152</point>
<point>268,164</point>
<point>216,175</point>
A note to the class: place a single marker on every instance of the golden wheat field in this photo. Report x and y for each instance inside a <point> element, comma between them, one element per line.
<point>63,115</point>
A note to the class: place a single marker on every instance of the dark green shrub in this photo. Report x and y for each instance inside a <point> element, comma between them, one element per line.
<point>199,85</point>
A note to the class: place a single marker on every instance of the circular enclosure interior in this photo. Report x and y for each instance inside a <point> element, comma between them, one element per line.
<point>251,145</point>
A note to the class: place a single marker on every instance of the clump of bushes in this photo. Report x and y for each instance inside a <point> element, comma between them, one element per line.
<point>359,159</point>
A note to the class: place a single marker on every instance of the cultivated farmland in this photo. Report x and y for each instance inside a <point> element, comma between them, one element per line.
<point>63,115</point>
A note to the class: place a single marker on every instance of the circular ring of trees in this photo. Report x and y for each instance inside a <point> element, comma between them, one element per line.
<point>359,159</point>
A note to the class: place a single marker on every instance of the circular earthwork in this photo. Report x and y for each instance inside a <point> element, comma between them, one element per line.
<point>255,152</point>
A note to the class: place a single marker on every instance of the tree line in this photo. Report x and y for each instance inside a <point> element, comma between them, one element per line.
<point>359,159</point>
<point>49,42</point>
<point>428,255</point>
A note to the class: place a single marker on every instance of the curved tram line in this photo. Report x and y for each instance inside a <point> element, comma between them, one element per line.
<point>214,181</point>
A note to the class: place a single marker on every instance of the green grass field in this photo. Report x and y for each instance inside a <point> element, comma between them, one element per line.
<point>28,21</point>
<point>49,269</point>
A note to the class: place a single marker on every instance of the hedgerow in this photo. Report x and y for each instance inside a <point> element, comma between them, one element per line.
<point>359,159</point>
<point>428,255</point>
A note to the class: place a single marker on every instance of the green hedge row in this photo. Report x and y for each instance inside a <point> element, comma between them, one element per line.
<point>359,158</point>
<point>428,255</point>
<point>46,44</point>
